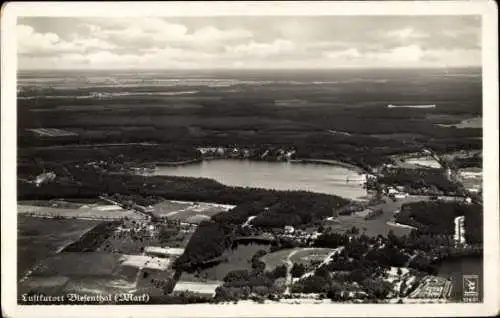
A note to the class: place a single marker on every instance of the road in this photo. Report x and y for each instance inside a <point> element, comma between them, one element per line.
<point>289,266</point>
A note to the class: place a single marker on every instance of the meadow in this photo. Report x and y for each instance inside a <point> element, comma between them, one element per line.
<point>39,238</point>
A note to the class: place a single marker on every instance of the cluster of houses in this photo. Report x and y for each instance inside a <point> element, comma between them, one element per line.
<point>397,192</point>
<point>163,252</point>
<point>146,228</point>
<point>289,232</point>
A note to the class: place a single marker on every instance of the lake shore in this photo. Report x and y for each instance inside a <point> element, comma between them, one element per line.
<point>327,177</point>
<point>330,162</point>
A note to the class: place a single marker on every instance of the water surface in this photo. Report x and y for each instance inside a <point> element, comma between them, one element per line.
<point>318,178</point>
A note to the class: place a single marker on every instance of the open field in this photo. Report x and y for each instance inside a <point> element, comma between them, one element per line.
<point>179,210</point>
<point>168,206</point>
<point>48,285</point>
<point>98,285</point>
<point>127,273</point>
<point>305,256</point>
<point>96,273</point>
<point>39,238</point>
<point>66,203</point>
<point>80,272</point>
<point>52,132</point>
<point>295,255</point>
<point>78,264</point>
<point>278,258</point>
<point>97,213</point>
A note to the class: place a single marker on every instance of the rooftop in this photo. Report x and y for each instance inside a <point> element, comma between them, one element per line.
<point>164,250</point>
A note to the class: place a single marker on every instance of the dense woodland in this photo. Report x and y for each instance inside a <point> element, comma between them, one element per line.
<point>208,242</point>
<point>420,181</point>
<point>475,161</point>
<point>437,217</point>
<point>91,240</point>
<point>362,150</point>
<point>249,120</point>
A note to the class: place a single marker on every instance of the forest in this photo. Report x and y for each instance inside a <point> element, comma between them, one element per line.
<point>437,217</point>
<point>208,242</point>
<point>420,181</point>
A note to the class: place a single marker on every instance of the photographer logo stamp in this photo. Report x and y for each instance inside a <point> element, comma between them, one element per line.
<point>471,288</point>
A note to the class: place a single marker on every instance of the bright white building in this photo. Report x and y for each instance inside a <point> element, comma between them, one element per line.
<point>459,235</point>
<point>44,177</point>
<point>400,195</point>
<point>163,251</point>
<point>204,288</point>
<point>289,229</point>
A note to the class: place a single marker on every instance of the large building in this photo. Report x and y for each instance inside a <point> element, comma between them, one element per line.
<point>200,288</point>
<point>164,252</point>
<point>459,236</point>
<point>45,178</point>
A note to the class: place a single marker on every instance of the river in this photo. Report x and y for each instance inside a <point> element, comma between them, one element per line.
<point>320,178</point>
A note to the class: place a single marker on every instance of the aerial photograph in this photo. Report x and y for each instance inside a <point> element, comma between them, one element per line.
<point>249,160</point>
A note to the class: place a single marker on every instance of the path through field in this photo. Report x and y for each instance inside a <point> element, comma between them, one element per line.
<point>289,265</point>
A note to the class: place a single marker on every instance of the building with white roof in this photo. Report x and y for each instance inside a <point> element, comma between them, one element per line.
<point>204,288</point>
<point>163,251</point>
<point>459,235</point>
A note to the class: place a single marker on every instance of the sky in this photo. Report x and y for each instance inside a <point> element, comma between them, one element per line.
<point>239,42</point>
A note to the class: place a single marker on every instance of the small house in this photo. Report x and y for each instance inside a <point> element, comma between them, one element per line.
<point>289,229</point>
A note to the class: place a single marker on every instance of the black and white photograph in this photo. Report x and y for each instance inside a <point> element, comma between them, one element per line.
<point>249,159</point>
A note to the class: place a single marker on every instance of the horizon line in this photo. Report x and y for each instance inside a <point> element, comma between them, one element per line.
<point>256,69</point>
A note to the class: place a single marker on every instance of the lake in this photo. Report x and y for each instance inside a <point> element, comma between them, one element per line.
<point>238,258</point>
<point>456,268</point>
<point>319,178</point>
